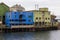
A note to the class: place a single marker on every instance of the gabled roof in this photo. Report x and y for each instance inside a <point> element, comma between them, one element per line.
<point>53,16</point>
<point>18,6</point>
<point>4,4</point>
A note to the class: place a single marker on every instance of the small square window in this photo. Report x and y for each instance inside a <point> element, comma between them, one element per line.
<point>46,18</point>
<point>9,16</point>
<point>45,22</point>
<point>16,20</point>
<point>30,16</point>
<point>36,17</point>
<point>42,23</point>
<point>15,16</point>
<point>16,24</point>
<point>12,24</point>
<point>15,12</point>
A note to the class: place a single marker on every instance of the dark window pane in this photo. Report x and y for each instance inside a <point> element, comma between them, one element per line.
<point>36,23</point>
<point>30,16</point>
<point>46,18</point>
<point>21,16</point>
<point>45,22</point>
<point>40,23</point>
<point>15,12</point>
<point>12,24</point>
<point>16,20</point>
<point>36,17</point>
<point>15,16</point>
<point>11,20</point>
<point>22,20</point>
<point>9,16</point>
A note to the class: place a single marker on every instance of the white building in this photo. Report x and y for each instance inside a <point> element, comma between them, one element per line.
<point>17,8</point>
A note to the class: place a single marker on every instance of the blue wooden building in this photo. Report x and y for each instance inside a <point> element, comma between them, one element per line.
<point>19,18</point>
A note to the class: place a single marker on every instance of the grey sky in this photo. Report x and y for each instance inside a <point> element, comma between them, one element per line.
<point>53,5</point>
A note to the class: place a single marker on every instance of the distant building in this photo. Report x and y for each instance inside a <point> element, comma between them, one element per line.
<point>3,9</point>
<point>53,20</point>
<point>42,17</point>
<point>17,8</point>
<point>53,16</point>
<point>58,18</point>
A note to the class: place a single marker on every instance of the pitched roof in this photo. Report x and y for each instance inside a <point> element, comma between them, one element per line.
<point>4,4</point>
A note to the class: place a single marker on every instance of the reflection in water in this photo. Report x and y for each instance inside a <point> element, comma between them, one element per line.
<point>44,35</point>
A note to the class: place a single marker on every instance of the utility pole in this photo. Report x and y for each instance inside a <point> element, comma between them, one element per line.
<point>36,5</point>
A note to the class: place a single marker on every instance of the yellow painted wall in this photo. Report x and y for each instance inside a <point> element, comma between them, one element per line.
<point>36,14</point>
<point>43,9</point>
<point>41,18</point>
<point>48,16</point>
<point>39,15</point>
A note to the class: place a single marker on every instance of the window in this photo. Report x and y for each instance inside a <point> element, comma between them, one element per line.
<point>22,20</point>
<point>21,16</point>
<point>15,12</point>
<point>15,16</point>
<point>45,22</point>
<point>46,18</point>
<point>9,16</point>
<point>36,17</point>
<point>30,16</point>
<point>42,23</point>
<point>16,24</point>
<point>16,20</point>
<point>11,20</point>
<point>12,24</point>
<point>36,23</point>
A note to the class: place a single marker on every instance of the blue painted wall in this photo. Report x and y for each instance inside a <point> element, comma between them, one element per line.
<point>17,18</point>
<point>12,18</point>
<point>28,17</point>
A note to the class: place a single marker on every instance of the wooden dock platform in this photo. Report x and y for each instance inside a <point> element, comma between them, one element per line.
<point>25,28</point>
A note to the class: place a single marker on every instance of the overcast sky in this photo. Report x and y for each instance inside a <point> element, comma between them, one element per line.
<point>53,5</point>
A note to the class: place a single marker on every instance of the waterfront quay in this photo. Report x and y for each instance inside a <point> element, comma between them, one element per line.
<point>26,29</point>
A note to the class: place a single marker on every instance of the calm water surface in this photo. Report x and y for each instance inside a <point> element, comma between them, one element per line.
<point>44,35</point>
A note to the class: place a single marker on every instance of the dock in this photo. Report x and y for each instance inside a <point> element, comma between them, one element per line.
<point>26,28</point>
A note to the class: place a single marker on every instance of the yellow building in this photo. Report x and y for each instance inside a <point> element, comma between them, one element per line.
<point>42,17</point>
